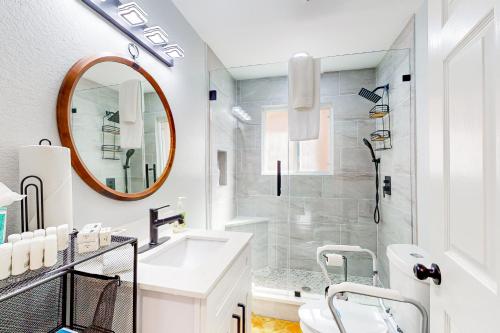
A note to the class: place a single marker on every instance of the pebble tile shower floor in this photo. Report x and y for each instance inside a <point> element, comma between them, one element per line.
<point>297,279</point>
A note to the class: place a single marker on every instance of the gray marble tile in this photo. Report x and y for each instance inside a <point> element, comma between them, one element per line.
<point>356,160</point>
<point>266,89</point>
<point>352,81</point>
<point>305,186</point>
<point>348,186</point>
<point>347,107</point>
<point>345,133</point>
<point>364,235</point>
<point>330,84</point>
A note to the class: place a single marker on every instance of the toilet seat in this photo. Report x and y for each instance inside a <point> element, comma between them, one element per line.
<point>315,317</point>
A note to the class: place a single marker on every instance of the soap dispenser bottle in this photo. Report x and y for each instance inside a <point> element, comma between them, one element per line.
<point>177,227</point>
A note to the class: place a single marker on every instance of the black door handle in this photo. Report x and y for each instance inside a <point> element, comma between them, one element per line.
<point>238,322</point>
<point>243,316</point>
<point>278,183</point>
<point>422,273</point>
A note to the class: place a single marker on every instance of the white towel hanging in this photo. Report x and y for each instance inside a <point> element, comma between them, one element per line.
<point>301,76</point>
<point>303,124</point>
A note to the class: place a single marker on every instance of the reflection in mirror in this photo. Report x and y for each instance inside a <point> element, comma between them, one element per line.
<point>120,127</point>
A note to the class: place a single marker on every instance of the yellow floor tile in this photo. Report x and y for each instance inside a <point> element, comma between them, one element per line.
<point>271,325</point>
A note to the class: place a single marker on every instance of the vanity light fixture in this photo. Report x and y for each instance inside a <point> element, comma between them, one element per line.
<point>156,35</point>
<point>132,20</point>
<point>174,51</point>
<point>133,14</point>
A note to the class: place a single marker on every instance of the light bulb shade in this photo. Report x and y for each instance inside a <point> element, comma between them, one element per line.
<point>174,51</point>
<point>133,14</point>
<point>156,35</point>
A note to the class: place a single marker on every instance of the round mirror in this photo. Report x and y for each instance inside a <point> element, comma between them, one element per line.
<point>118,125</point>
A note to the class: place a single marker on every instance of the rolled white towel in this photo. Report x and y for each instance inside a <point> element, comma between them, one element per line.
<point>301,76</point>
<point>334,260</point>
<point>50,251</point>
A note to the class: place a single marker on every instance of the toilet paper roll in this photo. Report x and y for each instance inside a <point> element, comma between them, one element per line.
<point>21,256</point>
<point>335,260</point>
<point>5,260</point>
<point>36,252</point>
<point>51,231</point>
<point>50,251</point>
<point>27,235</point>
<point>39,233</point>
<point>14,238</point>
<point>62,237</point>
<point>53,165</point>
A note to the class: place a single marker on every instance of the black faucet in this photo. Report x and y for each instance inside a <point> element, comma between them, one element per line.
<point>154,224</point>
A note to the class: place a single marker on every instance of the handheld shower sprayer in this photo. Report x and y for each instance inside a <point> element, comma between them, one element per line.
<point>126,166</point>
<point>376,161</point>
<point>369,145</point>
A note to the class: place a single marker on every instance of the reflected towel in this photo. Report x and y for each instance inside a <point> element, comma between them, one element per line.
<point>131,106</point>
<point>303,124</point>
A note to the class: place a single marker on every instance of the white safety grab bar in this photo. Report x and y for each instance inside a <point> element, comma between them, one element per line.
<point>381,293</point>
<point>320,251</point>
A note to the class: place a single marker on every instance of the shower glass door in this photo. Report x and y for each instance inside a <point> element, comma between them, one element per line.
<point>325,194</point>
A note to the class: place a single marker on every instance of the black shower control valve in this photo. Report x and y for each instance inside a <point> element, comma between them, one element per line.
<point>387,189</point>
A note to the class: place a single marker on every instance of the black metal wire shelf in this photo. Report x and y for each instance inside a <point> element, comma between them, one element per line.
<point>67,260</point>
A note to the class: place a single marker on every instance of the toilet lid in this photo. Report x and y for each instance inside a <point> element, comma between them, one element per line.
<point>357,318</point>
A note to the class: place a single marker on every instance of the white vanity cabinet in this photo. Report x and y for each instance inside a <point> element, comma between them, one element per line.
<point>216,312</point>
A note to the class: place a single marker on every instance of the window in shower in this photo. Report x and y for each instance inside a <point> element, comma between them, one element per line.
<point>312,157</point>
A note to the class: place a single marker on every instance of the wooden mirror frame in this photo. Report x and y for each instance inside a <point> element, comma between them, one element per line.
<point>64,125</point>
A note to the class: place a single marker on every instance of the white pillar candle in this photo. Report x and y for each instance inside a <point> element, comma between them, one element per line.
<point>5,260</point>
<point>39,233</point>
<point>50,251</point>
<point>14,238</point>
<point>36,253</point>
<point>62,237</point>
<point>27,235</point>
<point>51,231</point>
<point>21,256</point>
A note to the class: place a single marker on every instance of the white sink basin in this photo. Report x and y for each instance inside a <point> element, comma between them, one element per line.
<point>187,253</point>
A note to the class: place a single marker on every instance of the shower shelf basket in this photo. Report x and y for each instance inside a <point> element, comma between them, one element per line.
<point>79,292</point>
<point>379,111</point>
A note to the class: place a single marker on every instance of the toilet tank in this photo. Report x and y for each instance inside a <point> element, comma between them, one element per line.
<point>402,258</point>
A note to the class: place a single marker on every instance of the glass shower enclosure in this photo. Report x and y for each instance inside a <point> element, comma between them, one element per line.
<point>296,196</point>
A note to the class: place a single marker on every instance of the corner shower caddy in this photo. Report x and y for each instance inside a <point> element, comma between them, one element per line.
<point>110,127</point>
<point>382,115</point>
<point>75,293</point>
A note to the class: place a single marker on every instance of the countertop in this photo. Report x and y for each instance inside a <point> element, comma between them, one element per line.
<point>195,282</point>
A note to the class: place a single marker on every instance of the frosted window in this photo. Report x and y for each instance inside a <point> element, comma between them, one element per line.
<point>304,157</point>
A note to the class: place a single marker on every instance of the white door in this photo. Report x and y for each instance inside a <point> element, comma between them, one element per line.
<point>463,170</point>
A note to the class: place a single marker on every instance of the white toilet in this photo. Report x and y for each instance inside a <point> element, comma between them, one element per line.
<point>316,317</point>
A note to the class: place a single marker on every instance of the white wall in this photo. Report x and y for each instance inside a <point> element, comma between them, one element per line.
<point>40,41</point>
<point>422,145</point>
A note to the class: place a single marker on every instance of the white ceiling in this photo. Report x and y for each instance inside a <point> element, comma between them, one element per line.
<point>250,32</point>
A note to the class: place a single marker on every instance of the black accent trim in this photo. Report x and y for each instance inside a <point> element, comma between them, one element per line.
<point>238,320</point>
<point>406,77</point>
<point>212,95</point>
<point>278,178</point>
<point>243,315</point>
